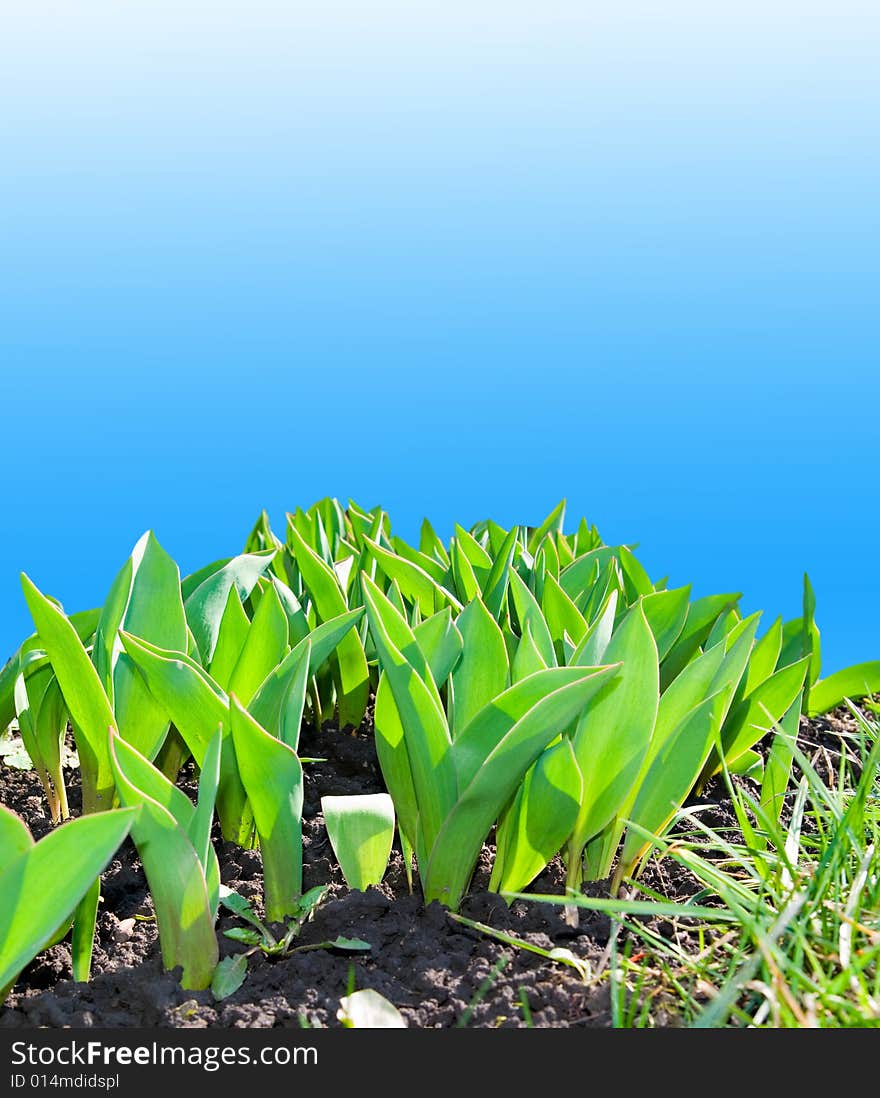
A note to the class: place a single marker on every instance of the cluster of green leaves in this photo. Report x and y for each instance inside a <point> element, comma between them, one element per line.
<point>525,679</point>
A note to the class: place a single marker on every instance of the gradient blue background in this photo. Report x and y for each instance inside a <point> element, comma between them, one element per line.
<point>458,258</point>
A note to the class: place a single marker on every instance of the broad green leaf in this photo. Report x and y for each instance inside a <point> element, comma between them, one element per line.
<point>274,698</point>
<point>441,644</point>
<point>702,615</point>
<point>482,672</point>
<point>487,788</point>
<point>527,659</point>
<point>497,580</point>
<point>433,567</point>
<point>193,701</point>
<point>264,648</point>
<point>859,681</point>
<point>146,602</point>
<point>174,873</point>
<point>42,723</point>
<point>613,735</point>
<point>554,521</point>
<point>273,779</point>
<point>528,612</point>
<point>765,656</point>
<point>666,612</point>
<point>197,707</point>
<point>194,823</point>
<point>361,830</point>
<point>672,775</point>
<point>415,584</point>
<point>578,577</point>
<point>539,820</point>
<point>233,632</point>
<point>466,583</point>
<point>205,604</point>
<point>71,857</point>
<point>367,1009</point>
<point>431,544</point>
<point>635,579</point>
<point>594,644</point>
<point>229,975</point>
<point>83,622</point>
<point>84,696</point>
<point>421,716</point>
<point>350,664</point>
<point>758,712</point>
<point>395,766</point>
<point>561,615</point>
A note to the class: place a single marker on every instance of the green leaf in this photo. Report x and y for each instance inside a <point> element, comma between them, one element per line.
<point>527,659</point>
<point>675,768</point>
<point>83,623</point>
<point>420,714</point>
<point>441,644</point>
<point>765,656</point>
<point>613,735</point>
<point>528,613</point>
<point>490,767</point>
<point>758,712</point>
<point>274,705</point>
<point>367,1009</point>
<point>192,700</point>
<point>554,521</point>
<point>394,764</point>
<point>416,585</point>
<point>229,975</point>
<point>361,830</point>
<point>495,588</point>
<point>635,579</point>
<point>84,696</point>
<point>859,681</point>
<point>702,615</point>
<point>71,858</point>
<point>562,616</point>
<point>351,673</point>
<point>231,637</point>
<point>205,602</point>
<point>466,583</point>
<point>666,612</point>
<point>272,777</point>
<point>264,648</point>
<point>145,600</point>
<point>539,820</point>
<point>482,672</point>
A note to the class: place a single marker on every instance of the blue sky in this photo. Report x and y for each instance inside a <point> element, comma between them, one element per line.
<point>458,259</point>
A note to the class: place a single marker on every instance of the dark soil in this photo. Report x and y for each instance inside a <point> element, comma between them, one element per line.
<point>437,972</point>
